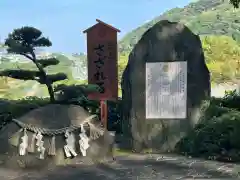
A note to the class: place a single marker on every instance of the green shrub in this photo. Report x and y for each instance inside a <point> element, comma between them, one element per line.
<point>77,94</point>
<point>217,139</point>
<point>216,135</point>
<point>230,100</point>
<point>16,108</point>
<point>21,106</point>
<point>210,109</point>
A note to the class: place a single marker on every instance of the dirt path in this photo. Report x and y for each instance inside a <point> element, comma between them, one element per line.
<point>135,167</point>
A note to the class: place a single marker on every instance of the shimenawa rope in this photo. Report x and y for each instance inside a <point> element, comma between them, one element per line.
<point>95,132</point>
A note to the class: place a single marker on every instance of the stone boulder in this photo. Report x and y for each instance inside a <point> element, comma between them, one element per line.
<point>54,116</point>
<point>164,42</point>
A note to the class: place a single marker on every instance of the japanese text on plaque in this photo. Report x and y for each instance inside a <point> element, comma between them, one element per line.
<point>166,90</point>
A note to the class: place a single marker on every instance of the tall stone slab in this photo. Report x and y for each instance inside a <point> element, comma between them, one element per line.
<point>167,42</point>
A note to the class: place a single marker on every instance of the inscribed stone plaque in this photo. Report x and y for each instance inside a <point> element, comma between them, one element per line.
<point>166,90</point>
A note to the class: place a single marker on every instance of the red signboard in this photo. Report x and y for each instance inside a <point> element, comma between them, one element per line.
<point>102,57</point>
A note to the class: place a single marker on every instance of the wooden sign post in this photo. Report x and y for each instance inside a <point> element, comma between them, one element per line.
<point>102,55</point>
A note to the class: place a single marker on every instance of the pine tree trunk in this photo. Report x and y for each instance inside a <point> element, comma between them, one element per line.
<point>47,83</point>
<point>51,92</point>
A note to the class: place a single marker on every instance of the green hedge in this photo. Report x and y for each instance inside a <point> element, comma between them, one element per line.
<point>230,100</point>
<point>218,139</point>
<point>217,135</point>
<point>16,108</point>
<point>20,107</point>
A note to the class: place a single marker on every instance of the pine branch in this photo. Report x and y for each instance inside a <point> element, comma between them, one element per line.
<point>57,77</point>
<point>16,48</point>
<point>235,3</point>
<point>52,78</point>
<point>84,89</point>
<point>48,62</point>
<point>20,74</point>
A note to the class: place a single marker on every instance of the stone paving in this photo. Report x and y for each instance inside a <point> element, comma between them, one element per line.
<point>135,167</point>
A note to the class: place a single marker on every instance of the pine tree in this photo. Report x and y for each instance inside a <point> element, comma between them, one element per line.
<point>25,41</point>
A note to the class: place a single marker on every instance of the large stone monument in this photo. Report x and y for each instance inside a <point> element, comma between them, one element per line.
<point>163,85</point>
<point>54,135</point>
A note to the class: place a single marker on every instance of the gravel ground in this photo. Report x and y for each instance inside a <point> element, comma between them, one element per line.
<point>134,167</point>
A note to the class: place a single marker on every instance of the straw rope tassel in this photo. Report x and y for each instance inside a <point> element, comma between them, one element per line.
<point>69,148</point>
<point>23,146</point>
<point>83,142</point>
<point>52,148</point>
<point>31,147</point>
<point>40,143</point>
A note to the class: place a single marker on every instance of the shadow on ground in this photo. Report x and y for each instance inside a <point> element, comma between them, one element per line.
<point>124,169</point>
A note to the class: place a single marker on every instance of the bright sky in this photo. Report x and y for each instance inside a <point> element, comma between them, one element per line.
<point>64,20</point>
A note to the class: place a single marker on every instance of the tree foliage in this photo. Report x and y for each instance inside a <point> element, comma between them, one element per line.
<point>25,41</point>
<point>75,92</point>
<point>222,55</point>
<point>211,17</point>
<point>235,3</point>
